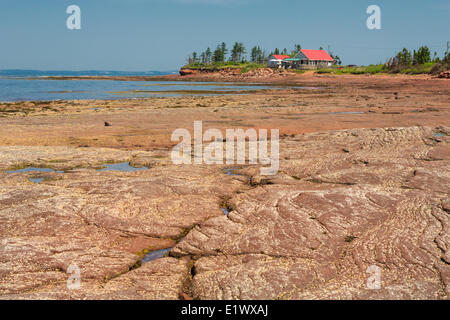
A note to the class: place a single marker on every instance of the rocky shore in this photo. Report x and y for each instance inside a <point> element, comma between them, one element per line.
<point>363,183</point>
<point>226,73</point>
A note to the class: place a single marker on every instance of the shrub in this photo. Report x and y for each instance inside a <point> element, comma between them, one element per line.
<point>327,70</point>
<point>246,67</point>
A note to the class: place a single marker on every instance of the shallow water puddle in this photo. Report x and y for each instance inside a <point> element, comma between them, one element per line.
<point>439,134</point>
<point>124,167</point>
<point>31,169</point>
<point>225,211</point>
<point>156,255</point>
<point>231,172</point>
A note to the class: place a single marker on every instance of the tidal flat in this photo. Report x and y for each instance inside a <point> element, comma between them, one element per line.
<point>364,180</point>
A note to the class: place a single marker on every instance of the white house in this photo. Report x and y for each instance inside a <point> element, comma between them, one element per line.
<point>309,59</point>
<point>275,60</point>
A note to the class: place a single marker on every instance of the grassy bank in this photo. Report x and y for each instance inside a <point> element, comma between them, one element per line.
<point>244,66</point>
<point>380,68</point>
<point>427,68</point>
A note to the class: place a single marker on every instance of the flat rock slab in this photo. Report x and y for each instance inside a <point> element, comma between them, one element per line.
<point>102,222</point>
<point>346,206</point>
<point>320,228</point>
<point>158,280</point>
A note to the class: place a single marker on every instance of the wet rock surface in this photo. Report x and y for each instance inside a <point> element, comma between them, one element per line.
<point>103,222</point>
<point>328,217</point>
<point>310,232</point>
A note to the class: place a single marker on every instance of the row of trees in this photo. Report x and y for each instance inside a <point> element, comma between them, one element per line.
<point>406,58</point>
<point>219,55</point>
<point>238,54</point>
<point>285,51</point>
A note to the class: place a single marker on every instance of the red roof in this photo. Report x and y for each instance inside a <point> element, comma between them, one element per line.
<point>321,55</point>
<point>280,56</point>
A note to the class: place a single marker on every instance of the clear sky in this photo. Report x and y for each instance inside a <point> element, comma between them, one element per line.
<point>142,35</point>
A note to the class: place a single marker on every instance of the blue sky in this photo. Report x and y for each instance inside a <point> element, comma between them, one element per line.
<point>141,35</point>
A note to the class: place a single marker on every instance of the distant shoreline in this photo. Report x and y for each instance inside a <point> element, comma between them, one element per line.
<point>111,78</point>
<point>279,79</point>
<point>287,81</point>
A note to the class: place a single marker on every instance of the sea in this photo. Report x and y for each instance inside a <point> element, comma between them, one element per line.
<point>35,85</point>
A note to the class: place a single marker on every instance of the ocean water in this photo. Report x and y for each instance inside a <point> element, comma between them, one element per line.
<point>23,85</point>
<point>62,73</point>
